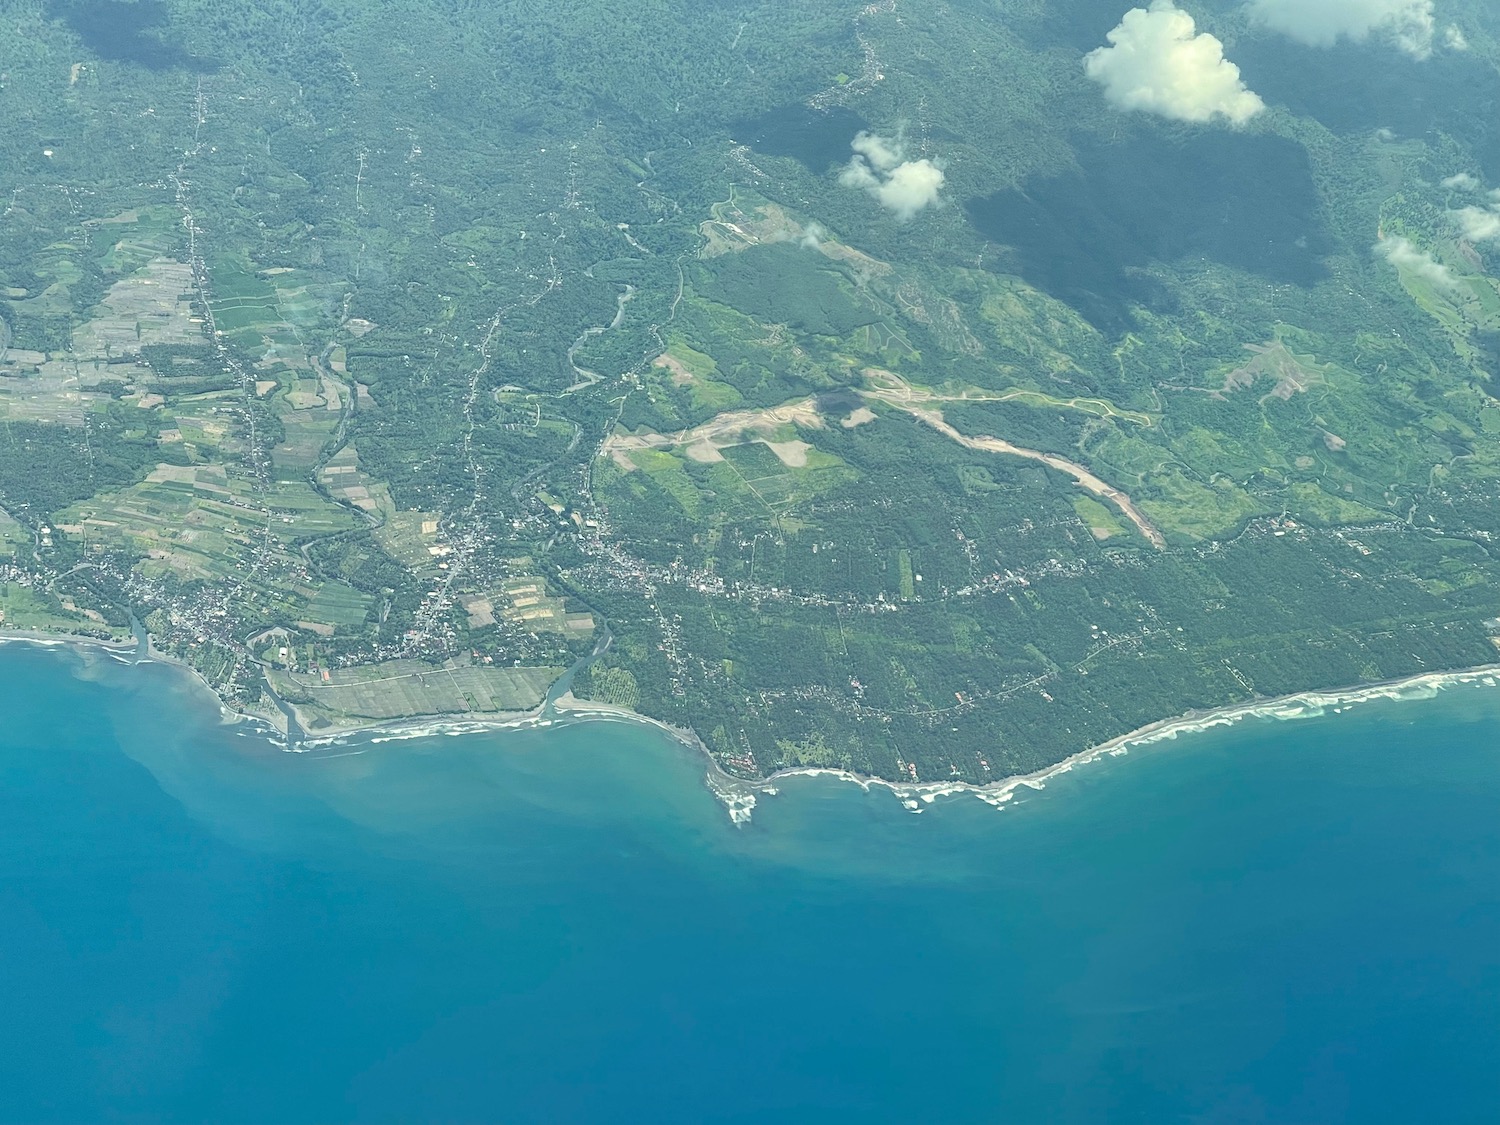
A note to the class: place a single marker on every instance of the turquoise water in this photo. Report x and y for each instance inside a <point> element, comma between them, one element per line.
<point>1274,922</point>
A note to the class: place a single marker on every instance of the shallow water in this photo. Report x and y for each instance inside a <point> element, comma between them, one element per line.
<point>1275,921</point>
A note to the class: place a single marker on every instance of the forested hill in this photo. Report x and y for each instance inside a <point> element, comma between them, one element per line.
<point>932,388</point>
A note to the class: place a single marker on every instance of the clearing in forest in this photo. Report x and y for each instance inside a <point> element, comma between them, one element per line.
<point>1275,361</point>
<point>891,389</point>
<point>740,427</point>
<point>887,386</point>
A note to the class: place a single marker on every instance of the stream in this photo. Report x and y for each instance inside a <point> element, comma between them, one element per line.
<point>589,378</point>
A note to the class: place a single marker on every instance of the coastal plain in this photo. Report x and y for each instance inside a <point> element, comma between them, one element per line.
<point>382,379</point>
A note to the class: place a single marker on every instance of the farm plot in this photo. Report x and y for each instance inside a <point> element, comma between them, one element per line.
<point>528,603</point>
<point>199,522</point>
<point>277,315</point>
<point>152,306</point>
<point>336,604</point>
<point>399,689</point>
<point>412,539</point>
<point>344,480</point>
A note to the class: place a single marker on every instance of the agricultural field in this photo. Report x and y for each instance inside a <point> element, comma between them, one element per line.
<point>273,313</point>
<point>198,521</point>
<point>413,539</point>
<point>28,608</point>
<point>527,603</point>
<point>341,477</point>
<point>151,306</point>
<point>14,537</point>
<point>398,689</point>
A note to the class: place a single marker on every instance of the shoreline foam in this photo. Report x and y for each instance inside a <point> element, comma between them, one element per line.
<point>738,795</point>
<point>1300,705</point>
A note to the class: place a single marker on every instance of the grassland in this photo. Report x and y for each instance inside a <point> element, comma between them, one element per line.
<point>377,693</point>
<point>28,608</point>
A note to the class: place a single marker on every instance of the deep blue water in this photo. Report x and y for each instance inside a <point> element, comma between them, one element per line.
<point>1293,921</point>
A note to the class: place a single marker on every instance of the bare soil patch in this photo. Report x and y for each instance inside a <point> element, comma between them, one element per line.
<point>681,376</point>
<point>792,454</point>
<point>1273,361</point>
<point>704,443</point>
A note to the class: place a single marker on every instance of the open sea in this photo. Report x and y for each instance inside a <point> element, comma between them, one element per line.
<point>1281,921</point>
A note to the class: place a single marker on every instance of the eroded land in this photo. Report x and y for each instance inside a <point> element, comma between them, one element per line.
<point>381,378</point>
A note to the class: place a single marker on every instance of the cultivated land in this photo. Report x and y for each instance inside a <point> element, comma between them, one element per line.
<point>369,695</point>
<point>391,376</point>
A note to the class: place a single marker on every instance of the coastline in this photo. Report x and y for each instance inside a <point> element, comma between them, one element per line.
<point>739,795</point>
<point>134,652</point>
<point>48,639</point>
<point>1299,705</point>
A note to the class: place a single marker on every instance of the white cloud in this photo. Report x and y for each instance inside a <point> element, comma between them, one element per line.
<point>1403,255</point>
<point>1461,181</point>
<point>1158,63</point>
<point>901,186</point>
<point>1478,224</point>
<point>812,236</point>
<point>911,187</point>
<point>881,154</point>
<point>1454,38</point>
<point>1320,23</point>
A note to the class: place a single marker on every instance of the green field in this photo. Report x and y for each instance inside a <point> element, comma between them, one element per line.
<point>396,689</point>
<point>338,604</point>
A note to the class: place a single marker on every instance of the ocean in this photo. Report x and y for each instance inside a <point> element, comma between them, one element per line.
<point>1275,921</point>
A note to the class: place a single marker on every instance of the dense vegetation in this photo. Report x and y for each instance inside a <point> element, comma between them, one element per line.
<point>453,331</point>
